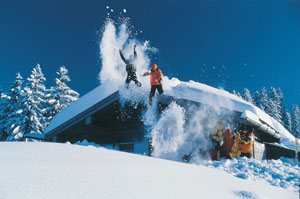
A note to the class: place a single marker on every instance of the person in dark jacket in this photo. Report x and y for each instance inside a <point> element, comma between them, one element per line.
<point>155,81</point>
<point>130,68</point>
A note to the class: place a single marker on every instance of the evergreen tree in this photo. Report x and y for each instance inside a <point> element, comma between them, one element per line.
<point>63,94</point>
<point>236,93</point>
<point>247,95</point>
<point>257,100</point>
<point>274,105</point>
<point>3,116</point>
<point>295,121</point>
<point>34,120</point>
<point>283,112</point>
<point>51,104</point>
<point>14,109</point>
<point>264,99</point>
<point>288,122</point>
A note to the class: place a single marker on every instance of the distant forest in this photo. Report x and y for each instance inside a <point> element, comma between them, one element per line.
<point>272,102</point>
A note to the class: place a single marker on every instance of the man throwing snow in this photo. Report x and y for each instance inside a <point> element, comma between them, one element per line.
<point>156,81</point>
<point>130,68</point>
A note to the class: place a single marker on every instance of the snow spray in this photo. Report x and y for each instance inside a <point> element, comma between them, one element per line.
<point>115,38</point>
<point>168,134</point>
<point>173,136</point>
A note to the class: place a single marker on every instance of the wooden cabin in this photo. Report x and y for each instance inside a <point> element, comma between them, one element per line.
<point>110,124</point>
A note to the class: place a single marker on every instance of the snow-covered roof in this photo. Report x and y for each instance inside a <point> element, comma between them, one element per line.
<point>191,90</point>
<point>77,107</point>
<point>220,98</point>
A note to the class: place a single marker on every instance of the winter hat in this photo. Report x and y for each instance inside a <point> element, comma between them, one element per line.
<point>154,66</point>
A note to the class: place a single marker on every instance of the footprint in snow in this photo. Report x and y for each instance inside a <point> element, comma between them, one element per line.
<point>244,195</point>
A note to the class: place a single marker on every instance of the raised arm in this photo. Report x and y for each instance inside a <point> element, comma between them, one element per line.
<point>146,74</point>
<point>122,57</point>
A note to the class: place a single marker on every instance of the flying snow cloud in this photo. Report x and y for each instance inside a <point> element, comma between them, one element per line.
<point>115,38</point>
<point>168,134</point>
<point>182,131</point>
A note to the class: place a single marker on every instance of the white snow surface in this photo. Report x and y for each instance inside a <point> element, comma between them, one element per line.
<point>51,170</point>
<point>281,173</point>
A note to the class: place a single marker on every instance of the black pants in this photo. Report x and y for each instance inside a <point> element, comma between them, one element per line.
<point>153,89</point>
<point>132,77</point>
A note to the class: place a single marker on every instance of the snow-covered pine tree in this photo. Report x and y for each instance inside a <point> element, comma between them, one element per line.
<point>274,104</point>
<point>15,106</point>
<point>51,104</point>
<point>64,95</point>
<point>264,99</point>
<point>295,121</point>
<point>3,116</point>
<point>236,93</point>
<point>288,124</point>
<point>34,120</point>
<point>283,113</point>
<point>247,95</point>
<point>257,100</point>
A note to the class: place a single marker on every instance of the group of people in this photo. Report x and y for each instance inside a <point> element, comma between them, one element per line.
<point>233,144</point>
<point>156,75</point>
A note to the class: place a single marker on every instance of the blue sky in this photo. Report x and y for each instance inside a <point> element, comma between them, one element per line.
<point>231,44</point>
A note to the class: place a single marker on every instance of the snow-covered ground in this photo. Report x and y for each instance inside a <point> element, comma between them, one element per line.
<point>280,173</point>
<point>51,170</point>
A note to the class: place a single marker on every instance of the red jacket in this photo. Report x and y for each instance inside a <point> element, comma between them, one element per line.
<point>156,77</point>
<point>228,144</point>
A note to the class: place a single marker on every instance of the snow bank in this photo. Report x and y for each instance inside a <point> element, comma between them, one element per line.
<point>50,170</point>
<point>281,173</point>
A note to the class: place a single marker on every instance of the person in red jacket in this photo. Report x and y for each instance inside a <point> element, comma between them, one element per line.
<point>228,144</point>
<point>155,80</point>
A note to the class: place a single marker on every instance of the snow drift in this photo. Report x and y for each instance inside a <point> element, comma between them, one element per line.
<point>50,170</point>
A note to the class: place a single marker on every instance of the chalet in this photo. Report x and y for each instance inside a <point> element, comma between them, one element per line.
<point>102,117</point>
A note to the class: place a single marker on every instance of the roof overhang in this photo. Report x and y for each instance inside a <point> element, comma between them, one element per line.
<point>83,115</point>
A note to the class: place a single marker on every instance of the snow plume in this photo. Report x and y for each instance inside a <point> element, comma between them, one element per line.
<point>202,121</point>
<point>168,133</point>
<point>115,38</point>
<point>186,131</point>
